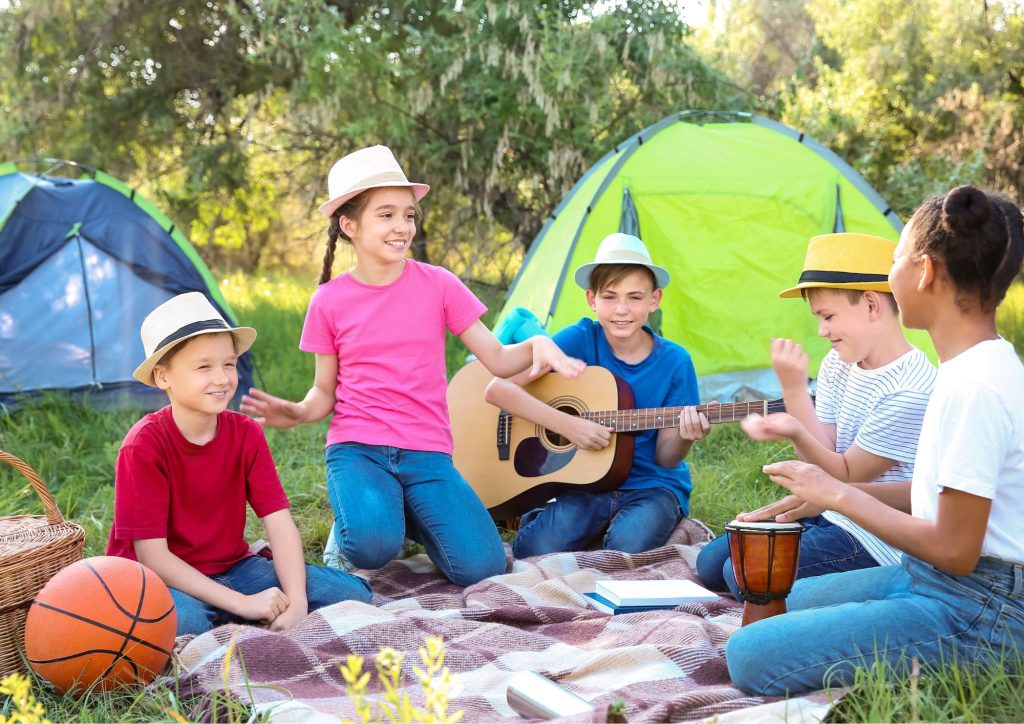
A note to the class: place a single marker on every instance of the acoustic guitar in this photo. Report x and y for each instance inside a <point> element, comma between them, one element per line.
<point>515,465</point>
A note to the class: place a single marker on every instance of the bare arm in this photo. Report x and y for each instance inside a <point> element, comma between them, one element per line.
<point>895,495</point>
<point>318,403</point>
<point>854,465</point>
<point>791,508</point>
<point>176,573</point>
<point>538,354</point>
<point>951,542</point>
<point>511,397</point>
<point>789,360</point>
<point>289,565</point>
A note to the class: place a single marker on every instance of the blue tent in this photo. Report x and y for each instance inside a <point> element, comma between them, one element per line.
<point>82,262</point>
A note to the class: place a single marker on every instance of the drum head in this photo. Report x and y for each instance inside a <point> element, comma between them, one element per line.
<point>763,525</point>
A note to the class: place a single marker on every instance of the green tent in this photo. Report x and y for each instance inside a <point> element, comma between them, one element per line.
<point>727,202</point>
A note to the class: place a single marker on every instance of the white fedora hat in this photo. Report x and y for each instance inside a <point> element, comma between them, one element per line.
<point>180,318</point>
<point>621,248</point>
<point>373,167</point>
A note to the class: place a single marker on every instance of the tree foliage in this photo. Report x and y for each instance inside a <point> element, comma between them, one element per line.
<point>232,112</point>
<point>918,95</point>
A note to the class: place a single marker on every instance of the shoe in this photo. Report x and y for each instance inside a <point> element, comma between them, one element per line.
<point>333,557</point>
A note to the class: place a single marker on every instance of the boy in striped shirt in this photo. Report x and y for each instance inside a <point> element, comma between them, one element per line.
<point>872,390</point>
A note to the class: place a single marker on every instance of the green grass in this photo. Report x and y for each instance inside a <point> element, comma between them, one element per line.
<point>963,693</point>
<point>73,447</point>
<point>1010,317</point>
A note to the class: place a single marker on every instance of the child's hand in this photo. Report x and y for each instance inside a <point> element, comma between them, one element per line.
<point>548,356</point>
<point>807,482</point>
<point>586,434</point>
<point>790,364</point>
<point>786,510</point>
<point>693,425</point>
<point>291,616</point>
<point>775,426</point>
<point>271,411</point>
<point>264,606</point>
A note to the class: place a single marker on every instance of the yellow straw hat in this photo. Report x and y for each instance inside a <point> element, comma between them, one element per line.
<point>846,261</point>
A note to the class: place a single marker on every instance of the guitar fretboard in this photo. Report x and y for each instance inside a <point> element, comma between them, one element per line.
<point>656,418</point>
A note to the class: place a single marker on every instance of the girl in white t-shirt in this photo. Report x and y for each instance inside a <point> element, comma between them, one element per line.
<point>378,333</point>
<point>958,593</point>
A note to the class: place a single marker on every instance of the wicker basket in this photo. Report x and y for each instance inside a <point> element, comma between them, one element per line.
<point>32,549</point>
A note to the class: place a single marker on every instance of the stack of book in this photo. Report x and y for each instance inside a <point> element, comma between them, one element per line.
<point>633,596</point>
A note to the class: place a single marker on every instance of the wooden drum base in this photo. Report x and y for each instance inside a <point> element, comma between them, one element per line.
<point>754,612</point>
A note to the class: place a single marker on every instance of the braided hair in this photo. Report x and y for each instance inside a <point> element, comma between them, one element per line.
<point>353,209</point>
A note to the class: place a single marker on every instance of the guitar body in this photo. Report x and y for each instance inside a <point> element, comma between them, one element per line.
<point>533,464</point>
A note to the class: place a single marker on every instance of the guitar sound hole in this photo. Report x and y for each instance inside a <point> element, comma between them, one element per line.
<point>555,440</point>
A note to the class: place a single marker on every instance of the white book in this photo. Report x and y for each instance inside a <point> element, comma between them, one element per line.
<point>673,592</point>
<point>604,605</point>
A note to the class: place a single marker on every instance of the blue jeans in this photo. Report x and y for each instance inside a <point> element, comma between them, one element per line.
<point>824,548</point>
<point>324,586</point>
<point>378,491</point>
<point>888,614</point>
<point>632,521</point>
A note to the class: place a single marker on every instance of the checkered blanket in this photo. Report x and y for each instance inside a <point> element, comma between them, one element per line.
<point>663,665</point>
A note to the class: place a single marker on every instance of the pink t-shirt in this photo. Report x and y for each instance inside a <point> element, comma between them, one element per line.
<point>390,343</point>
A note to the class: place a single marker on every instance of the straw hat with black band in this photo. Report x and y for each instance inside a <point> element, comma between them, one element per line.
<point>179,318</point>
<point>373,167</point>
<point>619,248</point>
<point>845,261</point>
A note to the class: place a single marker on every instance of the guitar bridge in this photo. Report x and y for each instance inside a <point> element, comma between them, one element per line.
<point>504,434</point>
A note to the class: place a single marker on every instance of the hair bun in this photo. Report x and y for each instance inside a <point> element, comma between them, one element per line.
<point>965,208</point>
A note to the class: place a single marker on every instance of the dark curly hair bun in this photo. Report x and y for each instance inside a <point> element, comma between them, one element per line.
<point>965,209</point>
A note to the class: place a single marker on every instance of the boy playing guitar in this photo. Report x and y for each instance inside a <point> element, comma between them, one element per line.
<point>623,288</point>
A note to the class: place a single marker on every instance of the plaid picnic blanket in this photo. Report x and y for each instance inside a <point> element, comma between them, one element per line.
<point>664,665</point>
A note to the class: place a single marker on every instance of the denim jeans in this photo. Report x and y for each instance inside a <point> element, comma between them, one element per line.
<point>378,492</point>
<point>324,586</point>
<point>887,613</point>
<point>824,548</point>
<point>632,521</point>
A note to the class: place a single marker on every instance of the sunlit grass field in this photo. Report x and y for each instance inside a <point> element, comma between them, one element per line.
<point>73,448</point>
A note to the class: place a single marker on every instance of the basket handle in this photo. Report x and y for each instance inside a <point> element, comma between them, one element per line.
<point>53,516</point>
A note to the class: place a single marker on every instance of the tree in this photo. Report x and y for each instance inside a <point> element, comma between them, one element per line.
<point>763,45</point>
<point>234,111</point>
<point>161,93</point>
<point>918,95</point>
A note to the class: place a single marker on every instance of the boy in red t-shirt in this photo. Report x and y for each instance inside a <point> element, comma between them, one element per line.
<point>185,473</point>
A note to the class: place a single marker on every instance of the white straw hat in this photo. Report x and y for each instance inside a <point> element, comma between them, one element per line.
<point>368,168</point>
<point>621,248</point>
<point>180,318</point>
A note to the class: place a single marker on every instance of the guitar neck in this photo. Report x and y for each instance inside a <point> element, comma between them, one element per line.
<point>656,418</point>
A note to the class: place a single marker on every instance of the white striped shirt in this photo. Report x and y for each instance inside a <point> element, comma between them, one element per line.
<point>880,410</point>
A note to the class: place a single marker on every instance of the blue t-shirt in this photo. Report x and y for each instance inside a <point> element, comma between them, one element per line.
<point>666,378</point>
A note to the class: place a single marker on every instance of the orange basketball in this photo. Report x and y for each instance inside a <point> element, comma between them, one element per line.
<point>103,622</point>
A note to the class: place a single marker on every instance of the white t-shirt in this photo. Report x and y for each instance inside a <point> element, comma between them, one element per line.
<point>973,440</point>
<point>880,410</point>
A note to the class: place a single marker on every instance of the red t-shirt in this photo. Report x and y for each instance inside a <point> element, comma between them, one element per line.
<point>193,495</point>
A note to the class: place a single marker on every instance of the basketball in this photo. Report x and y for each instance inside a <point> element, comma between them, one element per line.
<point>100,623</point>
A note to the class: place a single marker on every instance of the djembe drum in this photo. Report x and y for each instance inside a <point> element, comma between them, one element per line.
<point>764,560</point>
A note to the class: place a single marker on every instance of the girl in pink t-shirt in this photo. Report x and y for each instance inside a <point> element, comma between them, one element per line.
<point>378,333</point>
